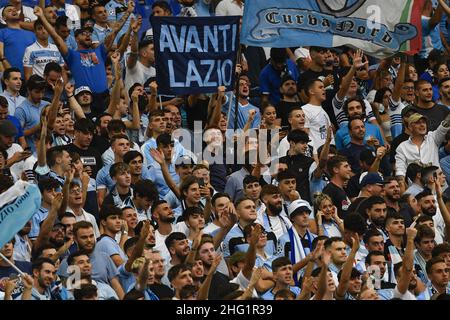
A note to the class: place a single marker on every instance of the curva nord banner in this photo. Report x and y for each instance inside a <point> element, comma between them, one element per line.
<point>195,55</point>
<point>380,27</point>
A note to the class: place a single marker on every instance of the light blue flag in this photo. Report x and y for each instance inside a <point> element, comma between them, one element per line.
<point>379,27</point>
<point>17,206</point>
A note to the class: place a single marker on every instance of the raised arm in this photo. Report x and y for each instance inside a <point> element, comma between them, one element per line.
<point>214,119</point>
<point>135,122</point>
<point>256,275</point>
<point>347,269</point>
<point>133,57</point>
<point>59,42</point>
<point>65,191</point>
<point>54,107</point>
<point>123,46</point>
<point>250,257</point>
<point>203,291</point>
<point>159,158</point>
<point>115,92</point>
<point>408,261</point>
<point>443,208</point>
<point>41,151</point>
<point>141,283</point>
<point>436,17</point>
<point>381,151</point>
<point>227,220</point>
<point>347,79</point>
<point>322,286</point>
<point>400,80</point>
<point>139,247</point>
<point>47,225</point>
<point>73,103</point>
<point>109,40</point>
<point>323,158</point>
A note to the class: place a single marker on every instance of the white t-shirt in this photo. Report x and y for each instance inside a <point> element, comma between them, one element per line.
<point>86,216</point>
<point>229,8</point>
<point>406,296</point>
<point>37,56</point>
<point>317,121</point>
<point>138,74</point>
<point>243,283</point>
<point>160,245</point>
<point>19,167</point>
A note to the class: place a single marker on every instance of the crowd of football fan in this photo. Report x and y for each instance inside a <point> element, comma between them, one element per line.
<point>350,200</point>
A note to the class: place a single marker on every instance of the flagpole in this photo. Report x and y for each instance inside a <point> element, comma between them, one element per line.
<point>11,264</point>
<point>236,102</point>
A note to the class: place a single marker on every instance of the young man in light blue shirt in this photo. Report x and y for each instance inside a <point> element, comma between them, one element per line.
<point>283,276</point>
<point>111,221</point>
<point>29,112</point>
<point>13,82</point>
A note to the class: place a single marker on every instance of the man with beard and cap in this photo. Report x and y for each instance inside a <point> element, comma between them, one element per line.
<point>425,244</point>
<point>271,75</point>
<point>376,211</point>
<point>289,99</point>
<point>423,139</point>
<point>103,268</point>
<point>296,244</point>
<point>274,218</point>
<point>86,64</point>
<point>392,194</point>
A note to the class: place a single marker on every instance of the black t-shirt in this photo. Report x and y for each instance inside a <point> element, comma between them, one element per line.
<point>309,75</point>
<point>283,108</point>
<point>353,187</point>
<point>101,143</point>
<point>435,115</point>
<point>90,157</point>
<point>197,112</point>
<point>299,165</point>
<point>352,152</point>
<point>220,287</point>
<point>162,291</point>
<point>339,197</point>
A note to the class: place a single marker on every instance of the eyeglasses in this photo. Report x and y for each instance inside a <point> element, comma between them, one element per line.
<point>408,88</point>
<point>74,191</point>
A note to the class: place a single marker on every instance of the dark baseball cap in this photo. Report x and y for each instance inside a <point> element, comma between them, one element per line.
<point>372,178</point>
<point>7,128</point>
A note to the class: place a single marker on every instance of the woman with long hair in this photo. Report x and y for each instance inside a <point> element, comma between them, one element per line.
<point>326,222</point>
